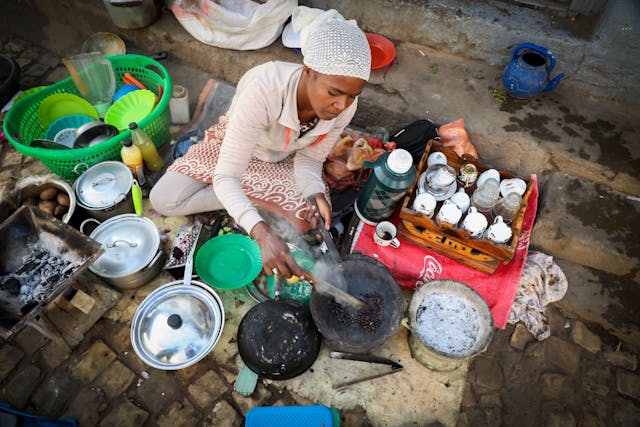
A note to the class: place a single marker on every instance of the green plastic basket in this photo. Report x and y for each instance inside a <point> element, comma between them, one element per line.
<point>21,125</point>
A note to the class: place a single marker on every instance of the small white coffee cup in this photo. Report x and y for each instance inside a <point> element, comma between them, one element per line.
<point>475,222</point>
<point>449,212</point>
<point>425,203</point>
<point>385,235</point>
<point>488,174</point>
<point>499,232</point>
<point>462,200</point>
<point>436,158</point>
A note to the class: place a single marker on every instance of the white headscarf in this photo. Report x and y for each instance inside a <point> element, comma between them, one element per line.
<point>332,45</point>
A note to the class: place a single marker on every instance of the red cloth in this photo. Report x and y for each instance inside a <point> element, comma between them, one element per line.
<point>413,266</point>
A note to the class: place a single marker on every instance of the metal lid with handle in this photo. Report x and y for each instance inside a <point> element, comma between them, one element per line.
<point>103,185</point>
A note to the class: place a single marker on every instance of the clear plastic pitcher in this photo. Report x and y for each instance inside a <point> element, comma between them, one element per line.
<point>93,76</point>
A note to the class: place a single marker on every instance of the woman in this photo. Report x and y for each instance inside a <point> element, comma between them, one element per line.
<point>282,123</point>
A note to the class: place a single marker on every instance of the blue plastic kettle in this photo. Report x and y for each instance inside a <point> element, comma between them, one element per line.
<point>528,72</point>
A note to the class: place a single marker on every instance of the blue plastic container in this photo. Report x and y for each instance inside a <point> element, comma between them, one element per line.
<point>290,416</point>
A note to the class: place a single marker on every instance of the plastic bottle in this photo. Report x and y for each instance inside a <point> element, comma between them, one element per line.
<point>150,155</point>
<point>132,157</point>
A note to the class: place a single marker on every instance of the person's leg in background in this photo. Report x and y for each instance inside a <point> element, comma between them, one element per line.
<point>178,194</point>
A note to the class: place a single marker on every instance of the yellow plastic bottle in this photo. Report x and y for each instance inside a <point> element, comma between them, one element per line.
<point>132,157</point>
<point>150,155</point>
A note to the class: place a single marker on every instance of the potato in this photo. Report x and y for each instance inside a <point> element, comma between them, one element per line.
<point>63,199</point>
<point>59,211</point>
<point>29,201</point>
<point>48,193</point>
<point>49,206</point>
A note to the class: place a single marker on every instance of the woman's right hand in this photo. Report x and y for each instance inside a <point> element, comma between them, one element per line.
<point>275,252</point>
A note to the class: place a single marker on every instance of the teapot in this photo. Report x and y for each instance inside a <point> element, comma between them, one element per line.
<point>528,72</point>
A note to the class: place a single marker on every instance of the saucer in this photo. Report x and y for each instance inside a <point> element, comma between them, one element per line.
<point>450,192</point>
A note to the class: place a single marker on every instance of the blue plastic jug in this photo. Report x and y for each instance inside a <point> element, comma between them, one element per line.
<point>528,72</point>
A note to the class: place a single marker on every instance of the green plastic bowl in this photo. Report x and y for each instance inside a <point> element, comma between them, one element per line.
<point>132,107</point>
<point>229,261</point>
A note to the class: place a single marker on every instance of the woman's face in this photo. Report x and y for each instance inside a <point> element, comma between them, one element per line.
<point>331,95</point>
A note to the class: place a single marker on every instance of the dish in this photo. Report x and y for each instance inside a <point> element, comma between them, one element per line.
<point>383,51</point>
<point>132,107</point>
<point>65,137</point>
<point>72,121</point>
<point>229,261</point>
<point>63,104</point>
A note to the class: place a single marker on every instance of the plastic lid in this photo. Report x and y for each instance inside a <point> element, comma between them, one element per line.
<point>133,125</point>
<point>399,161</point>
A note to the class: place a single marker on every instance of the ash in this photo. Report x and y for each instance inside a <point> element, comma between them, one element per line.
<point>41,272</point>
<point>449,325</point>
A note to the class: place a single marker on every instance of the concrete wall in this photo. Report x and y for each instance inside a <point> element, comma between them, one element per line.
<point>602,58</point>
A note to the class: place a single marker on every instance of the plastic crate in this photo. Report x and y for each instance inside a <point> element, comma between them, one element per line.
<point>292,416</point>
<point>22,125</point>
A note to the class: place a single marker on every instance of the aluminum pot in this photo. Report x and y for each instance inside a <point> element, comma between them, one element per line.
<point>104,190</point>
<point>177,325</point>
<point>132,254</point>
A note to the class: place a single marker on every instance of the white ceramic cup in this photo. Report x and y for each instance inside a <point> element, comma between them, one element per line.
<point>499,232</point>
<point>462,200</point>
<point>475,222</point>
<point>385,235</point>
<point>436,158</point>
<point>513,185</point>
<point>425,203</point>
<point>449,212</point>
<point>489,173</point>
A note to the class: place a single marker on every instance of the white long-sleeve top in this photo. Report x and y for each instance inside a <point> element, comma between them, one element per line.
<point>263,122</point>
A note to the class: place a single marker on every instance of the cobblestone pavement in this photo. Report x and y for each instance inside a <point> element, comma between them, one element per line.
<point>581,375</point>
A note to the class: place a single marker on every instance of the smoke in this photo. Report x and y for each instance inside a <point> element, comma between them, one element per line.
<point>324,268</point>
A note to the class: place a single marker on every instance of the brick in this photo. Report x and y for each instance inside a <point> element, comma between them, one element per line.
<point>626,413</point>
<point>158,391</point>
<point>53,354</point>
<point>12,158</point>
<point>628,383</point>
<point>556,416</point>
<point>180,414</point>
<point>115,379</point>
<point>488,373</point>
<point>87,407</point>
<point>30,340</point>
<point>621,359</point>
<point>37,70</point>
<point>597,379</point>
<point>258,398</point>
<point>586,339</point>
<point>9,358</point>
<point>20,386</point>
<point>556,386</point>
<point>223,415</point>
<point>562,354</point>
<point>207,389</point>
<point>124,413</point>
<point>93,362</point>
<point>51,396</point>
<point>520,337</point>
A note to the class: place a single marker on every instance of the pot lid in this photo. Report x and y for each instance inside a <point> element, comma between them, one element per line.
<point>130,243</point>
<point>103,185</point>
<point>177,325</point>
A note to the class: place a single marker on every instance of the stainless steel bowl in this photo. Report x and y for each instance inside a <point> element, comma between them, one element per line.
<point>93,133</point>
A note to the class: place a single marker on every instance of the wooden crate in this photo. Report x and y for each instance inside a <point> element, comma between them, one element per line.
<point>455,242</point>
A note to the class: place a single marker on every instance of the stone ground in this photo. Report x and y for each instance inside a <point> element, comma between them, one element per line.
<point>584,374</point>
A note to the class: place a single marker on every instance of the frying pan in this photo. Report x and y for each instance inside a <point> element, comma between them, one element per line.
<point>277,339</point>
<point>366,278</point>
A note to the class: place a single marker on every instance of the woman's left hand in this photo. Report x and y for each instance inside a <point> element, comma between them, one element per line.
<point>320,207</point>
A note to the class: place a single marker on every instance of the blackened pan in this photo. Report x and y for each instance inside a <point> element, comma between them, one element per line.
<point>277,339</point>
<point>363,330</point>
